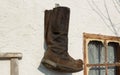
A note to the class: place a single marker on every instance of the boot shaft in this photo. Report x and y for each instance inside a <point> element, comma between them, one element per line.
<point>56,28</point>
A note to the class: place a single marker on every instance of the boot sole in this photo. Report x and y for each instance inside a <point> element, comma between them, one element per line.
<point>58,67</point>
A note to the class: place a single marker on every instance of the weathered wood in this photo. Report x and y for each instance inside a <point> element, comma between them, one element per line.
<point>112,64</point>
<point>85,55</point>
<point>99,36</point>
<point>10,55</point>
<point>14,66</point>
<point>13,57</point>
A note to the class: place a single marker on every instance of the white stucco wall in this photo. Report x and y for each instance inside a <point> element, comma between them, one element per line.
<point>22,30</point>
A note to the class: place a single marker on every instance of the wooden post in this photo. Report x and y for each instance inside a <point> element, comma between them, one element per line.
<point>14,66</point>
<point>13,57</point>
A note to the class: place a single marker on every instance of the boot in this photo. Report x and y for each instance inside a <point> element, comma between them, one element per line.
<point>56,56</point>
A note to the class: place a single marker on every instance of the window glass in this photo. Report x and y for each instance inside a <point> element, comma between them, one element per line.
<point>111,70</point>
<point>97,71</point>
<point>96,52</point>
<point>112,47</point>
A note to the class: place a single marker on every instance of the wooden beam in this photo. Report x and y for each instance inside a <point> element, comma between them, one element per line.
<point>10,55</point>
<point>112,64</point>
<point>99,36</point>
<point>13,57</point>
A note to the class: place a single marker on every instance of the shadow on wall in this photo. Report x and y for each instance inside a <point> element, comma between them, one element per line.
<point>50,72</point>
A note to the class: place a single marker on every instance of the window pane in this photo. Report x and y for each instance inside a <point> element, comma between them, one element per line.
<point>112,52</point>
<point>97,71</point>
<point>96,52</point>
<point>111,70</point>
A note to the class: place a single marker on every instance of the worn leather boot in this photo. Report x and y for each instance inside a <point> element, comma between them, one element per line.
<point>56,56</point>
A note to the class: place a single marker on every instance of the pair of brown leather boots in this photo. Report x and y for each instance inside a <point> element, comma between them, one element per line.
<point>56,56</point>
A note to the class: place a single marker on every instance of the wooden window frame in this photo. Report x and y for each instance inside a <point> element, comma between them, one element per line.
<point>13,57</point>
<point>87,37</point>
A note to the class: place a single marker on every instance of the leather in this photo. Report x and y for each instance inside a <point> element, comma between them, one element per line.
<point>56,56</point>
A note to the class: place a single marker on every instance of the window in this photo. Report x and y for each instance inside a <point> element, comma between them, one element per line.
<point>101,54</point>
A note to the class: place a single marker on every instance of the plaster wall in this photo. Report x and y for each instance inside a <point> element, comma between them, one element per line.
<point>22,30</point>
